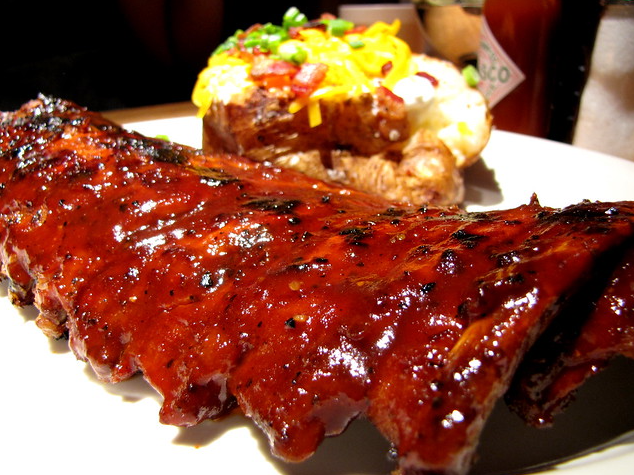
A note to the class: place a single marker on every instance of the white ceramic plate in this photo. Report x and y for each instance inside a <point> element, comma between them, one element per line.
<point>58,419</point>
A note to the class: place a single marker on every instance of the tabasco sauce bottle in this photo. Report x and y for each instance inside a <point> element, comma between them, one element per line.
<point>514,61</point>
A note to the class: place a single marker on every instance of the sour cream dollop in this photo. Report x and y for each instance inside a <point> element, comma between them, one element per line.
<point>417,91</point>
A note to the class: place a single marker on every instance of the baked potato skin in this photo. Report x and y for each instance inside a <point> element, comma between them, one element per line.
<point>258,124</point>
<point>425,172</point>
<point>352,146</point>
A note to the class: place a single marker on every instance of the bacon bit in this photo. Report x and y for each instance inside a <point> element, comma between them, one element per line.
<point>358,29</point>
<point>385,96</point>
<point>234,51</point>
<point>327,16</point>
<point>307,80</point>
<point>386,68</point>
<point>272,73</point>
<point>429,77</point>
<point>316,24</point>
<point>293,31</point>
<point>266,66</point>
<point>276,82</point>
<point>252,28</point>
<point>243,54</point>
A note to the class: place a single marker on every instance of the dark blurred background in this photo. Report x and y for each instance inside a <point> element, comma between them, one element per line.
<point>113,54</point>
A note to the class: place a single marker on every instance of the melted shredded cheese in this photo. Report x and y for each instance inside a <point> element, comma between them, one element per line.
<point>351,71</point>
<point>224,77</point>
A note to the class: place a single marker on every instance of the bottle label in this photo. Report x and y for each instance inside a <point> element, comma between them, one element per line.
<point>499,75</point>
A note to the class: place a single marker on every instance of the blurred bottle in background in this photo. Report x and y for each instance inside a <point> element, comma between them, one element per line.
<point>573,45</point>
<point>535,59</point>
<point>514,59</point>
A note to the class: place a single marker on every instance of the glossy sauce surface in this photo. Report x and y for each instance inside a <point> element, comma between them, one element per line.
<point>232,285</point>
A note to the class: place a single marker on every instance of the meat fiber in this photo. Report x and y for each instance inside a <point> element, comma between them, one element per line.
<point>232,285</point>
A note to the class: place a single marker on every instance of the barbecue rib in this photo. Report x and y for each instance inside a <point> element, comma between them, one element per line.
<point>230,284</point>
<point>573,349</point>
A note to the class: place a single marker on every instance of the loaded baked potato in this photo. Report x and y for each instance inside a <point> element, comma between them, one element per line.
<point>344,103</point>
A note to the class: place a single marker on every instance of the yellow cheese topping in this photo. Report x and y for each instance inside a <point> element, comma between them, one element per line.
<point>224,77</point>
<point>358,62</point>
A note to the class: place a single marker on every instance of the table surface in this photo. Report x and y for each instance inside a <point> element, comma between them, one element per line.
<point>160,111</point>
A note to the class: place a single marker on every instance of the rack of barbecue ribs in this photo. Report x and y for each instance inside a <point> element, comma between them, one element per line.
<point>235,286</point>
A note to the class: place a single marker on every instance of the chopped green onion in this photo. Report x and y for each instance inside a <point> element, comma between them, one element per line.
<point>338,26</point>
<point>271,41</point>
<point>356,44</point>
<point>278,36</point>
<point>229,43</point>
<point>269,28</point>
<point>266,38</point>
<point>292,53</point>
<point>269,37</point>
<point>471,75</point>
<point>162,137</point>
<point>293,17</point>
<point>251,41</point>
